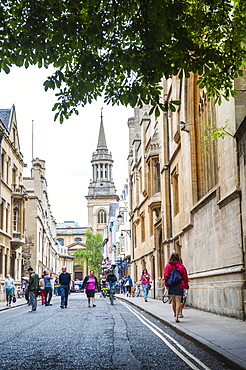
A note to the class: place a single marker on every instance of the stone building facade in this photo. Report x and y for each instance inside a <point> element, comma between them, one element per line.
<point>12,199</point>
<point>72,236</point>
<point>42,251</point>
<point>186,194</point>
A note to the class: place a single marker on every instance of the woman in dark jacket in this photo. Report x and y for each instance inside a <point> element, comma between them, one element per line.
<point>176,291</point>
<point>90,285</point>
<point>128,285</point>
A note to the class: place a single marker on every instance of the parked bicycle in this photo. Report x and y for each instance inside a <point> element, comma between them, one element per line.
<point>136,292</point>
<point>166,297</point>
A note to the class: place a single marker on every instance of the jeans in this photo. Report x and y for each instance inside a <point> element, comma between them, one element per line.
<point>112,285</point>
<point>145,290</point>
<point>48,291</point>
<point>64,289</point>
<point>33,299</point>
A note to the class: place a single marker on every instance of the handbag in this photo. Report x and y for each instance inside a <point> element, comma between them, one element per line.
<point>127,283</point>
<point>149,286</point>
<point>14,299</point>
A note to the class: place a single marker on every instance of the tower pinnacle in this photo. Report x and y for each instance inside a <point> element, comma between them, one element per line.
<point>101,138</point>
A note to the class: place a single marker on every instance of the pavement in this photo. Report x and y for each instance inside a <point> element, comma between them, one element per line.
<point>222,336</point>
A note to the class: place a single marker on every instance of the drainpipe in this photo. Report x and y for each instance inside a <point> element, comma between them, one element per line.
<point>1,137</point>
<point>169,180</point>
<point>43,250</point>
<point>153,279</point>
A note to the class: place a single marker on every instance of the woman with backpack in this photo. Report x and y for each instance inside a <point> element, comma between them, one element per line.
<point>176,280</point>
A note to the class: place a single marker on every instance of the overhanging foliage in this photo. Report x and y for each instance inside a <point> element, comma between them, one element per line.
<point>122,49</point>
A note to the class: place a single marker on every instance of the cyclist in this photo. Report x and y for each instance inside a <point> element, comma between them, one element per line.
<point>111,279</point>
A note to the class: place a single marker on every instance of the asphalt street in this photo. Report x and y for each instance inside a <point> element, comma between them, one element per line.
<point>104,337</point>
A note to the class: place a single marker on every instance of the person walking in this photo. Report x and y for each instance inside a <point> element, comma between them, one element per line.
<point>176,289</point>
<point>56,286</point>
<point>33,286</point>
<point>145,281</point>
<point>42,289</point>
<point>48,288</point>
<point>122,285</point>
<point>64,281</point>
<point>128,285</point>
<point>9,287</point>
<point>90,285</point>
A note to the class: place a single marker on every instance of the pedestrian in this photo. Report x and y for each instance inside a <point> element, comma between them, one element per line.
<point>42,289</point>
<point>9,287</point>
<point>64,281</point>
<point>176,290</point>
<point>145,281</point>
<point>91,286</point>
<point>122,285</point>
<point>56,286</point>
<point>33,287</point>
<point>23,287</point>
<point>48,288</point>
<point>128,285</point>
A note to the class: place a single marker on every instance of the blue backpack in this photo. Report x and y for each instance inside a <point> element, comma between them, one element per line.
<point>174,278</point>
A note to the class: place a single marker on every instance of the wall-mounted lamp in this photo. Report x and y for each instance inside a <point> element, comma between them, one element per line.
<point>184,126</point>
<point>126,231</point>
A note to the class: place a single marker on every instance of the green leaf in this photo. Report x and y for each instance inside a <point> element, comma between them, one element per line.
<point>172,108</point>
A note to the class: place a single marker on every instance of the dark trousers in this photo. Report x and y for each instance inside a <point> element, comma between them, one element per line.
<point>64,290</point>
<point>33,299</point>
<point>48,292</point>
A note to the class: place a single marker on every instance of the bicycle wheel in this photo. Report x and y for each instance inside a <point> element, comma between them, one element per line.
<point>165,297</point>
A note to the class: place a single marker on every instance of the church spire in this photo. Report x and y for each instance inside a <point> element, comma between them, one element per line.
<point>101,139</point>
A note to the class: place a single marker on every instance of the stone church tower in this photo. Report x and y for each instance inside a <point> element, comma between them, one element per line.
<point>101,190</point>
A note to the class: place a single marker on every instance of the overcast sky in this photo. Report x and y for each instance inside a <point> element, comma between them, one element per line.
<point>67,148</point>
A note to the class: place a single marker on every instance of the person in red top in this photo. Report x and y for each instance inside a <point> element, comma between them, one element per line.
<point>177,291</point>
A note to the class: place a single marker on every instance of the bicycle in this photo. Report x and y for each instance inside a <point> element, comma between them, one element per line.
<point>136,292</point>
<point>166,297</point>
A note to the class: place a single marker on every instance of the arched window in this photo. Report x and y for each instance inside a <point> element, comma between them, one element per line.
<point>61,241</point>
<point>78,240</point>
<point>101,217</point>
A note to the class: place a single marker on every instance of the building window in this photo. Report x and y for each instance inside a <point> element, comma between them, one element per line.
<point>14,176</point>
<point>151,222</point>
<point>61,241</point>
<point>1,261</point>
<point>78,240</point>
<point>175,188</point>
<point>1,214</point>
<point>2,164</point>
<point>16,217</point>
<point>7,218</point>
<point>157,177</point>
<point>142,228</point>
<point>101,216</point>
